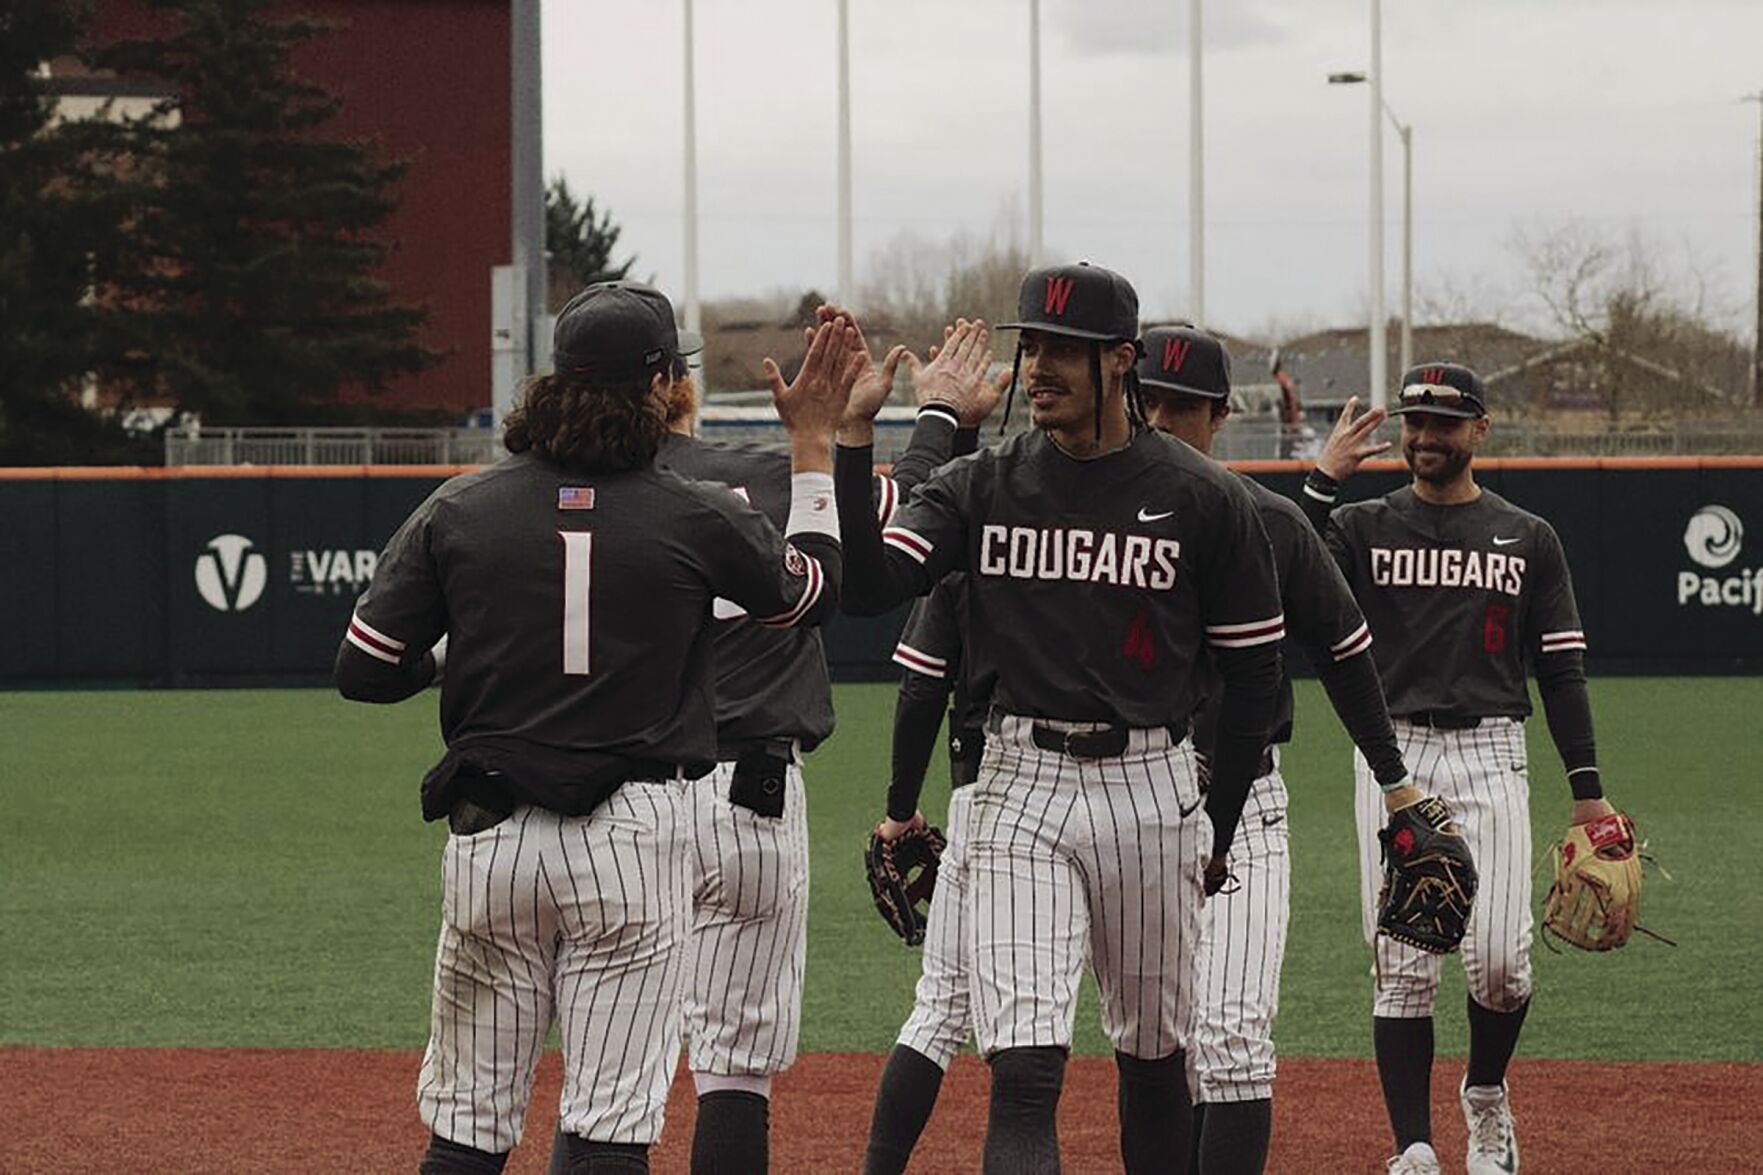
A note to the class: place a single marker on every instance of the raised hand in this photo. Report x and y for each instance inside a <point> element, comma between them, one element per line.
<point>956,374</point>
<point>1349,444</point>
<point>871,384</point>
<point>813,404</point>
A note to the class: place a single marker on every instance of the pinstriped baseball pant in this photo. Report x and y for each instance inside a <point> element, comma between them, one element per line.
<point>582,915</point>
<point>1242,947</point>
<point>1482,773</point>
<point>1071,859</point>
<point>940,1019</point>
<point>749,937</point>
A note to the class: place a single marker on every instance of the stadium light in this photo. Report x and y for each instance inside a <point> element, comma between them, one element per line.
<point>1406,132</point>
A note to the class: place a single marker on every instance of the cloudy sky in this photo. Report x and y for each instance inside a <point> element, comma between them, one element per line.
<point>1622,115</point>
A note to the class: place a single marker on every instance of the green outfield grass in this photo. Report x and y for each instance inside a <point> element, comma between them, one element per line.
<point>249,868</point>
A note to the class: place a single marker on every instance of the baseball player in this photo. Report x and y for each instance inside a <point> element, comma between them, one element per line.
<point>749,857</point>
<point>1103,559</point>
<point>1185,377</point>
<point>1464,591</point>
<point>573,582</point>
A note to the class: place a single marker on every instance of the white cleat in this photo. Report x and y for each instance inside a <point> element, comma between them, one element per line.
<point>1418,1159</point>
<point>1493,1145</point>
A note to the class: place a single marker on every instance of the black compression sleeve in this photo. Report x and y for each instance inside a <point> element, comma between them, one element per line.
<point>933,435</point>
<point>1561,682</point>
<point>1251,689</point>
<point>918,715</point>
<point>966,441</point>
<point>859,532</point>
<point>1356,692</point>
<point>1317,499</point>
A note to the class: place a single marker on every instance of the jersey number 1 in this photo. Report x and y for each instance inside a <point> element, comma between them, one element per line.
<point>578,576</point>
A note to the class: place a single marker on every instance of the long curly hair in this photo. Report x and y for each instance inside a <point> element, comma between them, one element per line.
<point>587,427</point>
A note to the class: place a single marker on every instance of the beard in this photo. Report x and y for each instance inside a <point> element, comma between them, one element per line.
<point>1440,468</point>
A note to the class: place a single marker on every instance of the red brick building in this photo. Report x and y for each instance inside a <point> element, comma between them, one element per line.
<point>427,81</point>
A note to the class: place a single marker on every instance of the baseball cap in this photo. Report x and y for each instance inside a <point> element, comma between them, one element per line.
<point>1443,389</point>
<point>1184,358</point>
<point>1082,300</point>
<point>618,332</point>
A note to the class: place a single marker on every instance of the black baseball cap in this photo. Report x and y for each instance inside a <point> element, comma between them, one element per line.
<point>1443,389</point>
<point>620,332</point>
<point>1184,358</point>
<point>1084,301</point>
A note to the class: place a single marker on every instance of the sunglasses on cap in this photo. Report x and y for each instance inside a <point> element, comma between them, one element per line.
<point>1433,394</point>
<point>1429,395</point>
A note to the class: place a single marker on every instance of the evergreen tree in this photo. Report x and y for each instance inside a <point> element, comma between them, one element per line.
<point>52,215</point>
<point>580,240</point>
<point>247,289</point>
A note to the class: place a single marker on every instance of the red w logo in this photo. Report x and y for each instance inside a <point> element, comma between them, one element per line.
<point>1433,375</point>
<point>1058,294</point>
<point>1175,353</point>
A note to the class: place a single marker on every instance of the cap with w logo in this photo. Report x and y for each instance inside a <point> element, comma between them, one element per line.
<point>1084,301</point>
<point>1184,358</point>
<point>1443,389</point>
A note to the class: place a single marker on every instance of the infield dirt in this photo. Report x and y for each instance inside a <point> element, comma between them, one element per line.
<point>308,1110</point>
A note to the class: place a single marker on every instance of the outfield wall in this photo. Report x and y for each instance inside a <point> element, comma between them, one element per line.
<point>241,575</point>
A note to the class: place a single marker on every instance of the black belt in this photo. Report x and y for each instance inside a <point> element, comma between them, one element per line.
<point>1108,743</point>
<point>1441,720</point>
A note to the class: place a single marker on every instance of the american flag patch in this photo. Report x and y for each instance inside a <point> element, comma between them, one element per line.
<point>575,497</point>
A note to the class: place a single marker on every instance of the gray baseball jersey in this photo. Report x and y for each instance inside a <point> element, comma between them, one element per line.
<point>576,605</point>
<point>1095,583</point>
<point>1461,599</point>
<point>770,682</point>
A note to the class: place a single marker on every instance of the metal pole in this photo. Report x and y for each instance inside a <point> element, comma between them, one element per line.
<point>692,315</point>
<point>1376,339</point>
<point>527,163</point>
<point>1196,171</point>
<point>847,294</point>
<point>1407,245</point>
<point>1757,338</point>
<point>1034,132</point>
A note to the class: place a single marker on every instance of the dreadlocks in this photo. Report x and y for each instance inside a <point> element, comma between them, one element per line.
<point>1010,396</point>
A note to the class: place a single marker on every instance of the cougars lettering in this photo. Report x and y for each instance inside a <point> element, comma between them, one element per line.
<point>1130,560</point>
<point>1447,567</point>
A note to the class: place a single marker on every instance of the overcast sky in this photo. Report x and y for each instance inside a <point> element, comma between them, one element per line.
<point>1622,114</point>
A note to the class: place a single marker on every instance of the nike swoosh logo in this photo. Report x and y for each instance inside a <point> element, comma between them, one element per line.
<point>1504,542</point>
<point>1146,516</point>
<point>1273,819</point>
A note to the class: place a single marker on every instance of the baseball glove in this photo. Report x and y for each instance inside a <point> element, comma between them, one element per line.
<point>1597,890</point>
<point>1428,878</point>
<point>902,874</point>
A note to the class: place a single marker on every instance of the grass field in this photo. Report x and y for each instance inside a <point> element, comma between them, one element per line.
<point>249,868</point>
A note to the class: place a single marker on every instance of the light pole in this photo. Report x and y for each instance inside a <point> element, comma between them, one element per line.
<point>1196,172</point>
<point>1034,132</point>
<point>1406,132</point>
<point>847,294</point>
<point>691,184</point>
